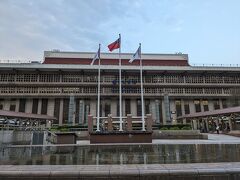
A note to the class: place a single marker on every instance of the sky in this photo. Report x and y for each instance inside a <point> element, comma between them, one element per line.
<point>207,30</point>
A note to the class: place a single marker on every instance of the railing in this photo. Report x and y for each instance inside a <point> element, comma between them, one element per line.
<point>216,65</point>
<point>14,61</point>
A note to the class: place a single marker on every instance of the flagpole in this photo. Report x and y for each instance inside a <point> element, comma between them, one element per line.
<point>142,100</point>
<point>98,99</point>
<point>120,87</point>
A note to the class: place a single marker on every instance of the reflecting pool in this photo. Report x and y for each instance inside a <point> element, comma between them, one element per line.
<point>119,154</point>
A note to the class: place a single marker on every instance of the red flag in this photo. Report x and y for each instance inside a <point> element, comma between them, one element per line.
<point>114,45</point>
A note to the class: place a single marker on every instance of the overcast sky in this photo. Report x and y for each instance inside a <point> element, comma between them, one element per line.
<point>207,30</point>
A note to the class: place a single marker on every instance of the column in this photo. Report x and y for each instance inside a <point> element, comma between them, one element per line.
<point>6,105</point>
<point>164,114</point>
<point>93,107</point>
<point>39,106</point>
<point>17,105</point>
<point>50,109</point>
<point>103,109</point>
<point>173,113</point>
<point>220,103</point>
<point>60,121</point>
<point>206,122</point>
<point>71,110</point>
<point>134,107</point>
<point>182,106</point>
<point>81,112</point>
<point>201,104</point>
<point>184,121</point>
<point>114,107</point>
<point>167,108</point>
<point>29,104</point>
<point>153,110</point>
<point>123,108</point>
<point>194,124</point>
<point>210,105</point>
<point>191,107</point>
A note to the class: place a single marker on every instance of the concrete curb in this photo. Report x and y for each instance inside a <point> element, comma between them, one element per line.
<point>207,171</point>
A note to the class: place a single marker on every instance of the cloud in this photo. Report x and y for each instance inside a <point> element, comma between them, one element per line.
<point>28,27</point>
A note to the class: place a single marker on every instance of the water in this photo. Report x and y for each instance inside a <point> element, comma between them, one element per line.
<point>120,154</point>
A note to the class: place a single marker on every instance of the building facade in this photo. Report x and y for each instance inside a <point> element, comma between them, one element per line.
<point>65,86</point>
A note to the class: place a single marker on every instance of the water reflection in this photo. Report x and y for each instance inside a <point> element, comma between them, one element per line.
<point>133,154</point>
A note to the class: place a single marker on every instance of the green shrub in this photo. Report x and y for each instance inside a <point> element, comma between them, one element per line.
<point>164,128</point>
<point>174,128</point>
<point>186,128</point>
<point>53,129</point>
<point>64,129</point>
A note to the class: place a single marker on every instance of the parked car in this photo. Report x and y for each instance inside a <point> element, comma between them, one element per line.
<point>11,121</point>
<point>2,121</point>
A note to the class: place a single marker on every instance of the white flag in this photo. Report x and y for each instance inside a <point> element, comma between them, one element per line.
<point>137,55</point>
<point>97,56</point>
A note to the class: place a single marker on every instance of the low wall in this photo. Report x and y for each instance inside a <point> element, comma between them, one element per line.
<point>121,137</point>
<point>178,134</point>
<point>15,136</point>
<point>199,171</point>
<point>162,134</point>
<point>21,137</point>
<point>234,133</point>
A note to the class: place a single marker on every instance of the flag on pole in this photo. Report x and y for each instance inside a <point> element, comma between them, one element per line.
<point>97,56</point>
<point>137,55</point>
<point>114,45</point>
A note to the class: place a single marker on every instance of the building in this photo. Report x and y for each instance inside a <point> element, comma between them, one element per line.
<point>65,86</point>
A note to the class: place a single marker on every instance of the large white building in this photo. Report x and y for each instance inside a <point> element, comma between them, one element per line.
<point>65,86</point>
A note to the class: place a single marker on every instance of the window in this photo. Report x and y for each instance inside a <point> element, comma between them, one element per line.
<point>12,107</point>
<point>1,106</point>
<point>44,106</point>
<point>197,105</point>
<point>22,104</point>
<point>147,106</point>
<point>186,108</point>
<point>107,108</point>
<point>139,108</point>
<point>128,106</point>
<point>56,108</point>
<point>216,104</point>
<point>224,103</point>
<point>35,106</point>
<point>178,107</point>
<point>205,105</point>
<point>87,110</point>
<point>65,110</point>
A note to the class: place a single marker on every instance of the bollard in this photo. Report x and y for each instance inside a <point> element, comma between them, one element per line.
<point>129,122</point>
<point>90,123</point>
<point>110,125</point>
<point>149,122</point>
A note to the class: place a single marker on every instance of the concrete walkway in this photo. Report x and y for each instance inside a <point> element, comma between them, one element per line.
<point>206,171</point>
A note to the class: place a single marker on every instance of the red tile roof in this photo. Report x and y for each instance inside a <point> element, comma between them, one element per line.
<point>225,111</point>
<point>85,61</point>
<point>13,114</point>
